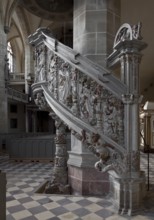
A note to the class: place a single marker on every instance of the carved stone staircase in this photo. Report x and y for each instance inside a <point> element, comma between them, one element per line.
<point>100,110</point>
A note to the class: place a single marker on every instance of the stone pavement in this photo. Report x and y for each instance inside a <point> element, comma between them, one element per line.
<point>23,203</point>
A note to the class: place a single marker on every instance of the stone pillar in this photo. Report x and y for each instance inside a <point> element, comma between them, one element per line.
<point>3,85</point>
<point>59,181</point>
<point>95,25</point>
<point>130,61</point>
<point>84,179</point>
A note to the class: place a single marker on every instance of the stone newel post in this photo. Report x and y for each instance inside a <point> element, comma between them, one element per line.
<point>130,60</point>
<point>127,51</point>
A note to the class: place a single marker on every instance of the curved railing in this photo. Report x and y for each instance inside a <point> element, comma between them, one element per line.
<point>101,110</point>
<point>86,96</point>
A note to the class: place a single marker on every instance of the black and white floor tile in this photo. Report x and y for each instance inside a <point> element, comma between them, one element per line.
<point>23,203</point>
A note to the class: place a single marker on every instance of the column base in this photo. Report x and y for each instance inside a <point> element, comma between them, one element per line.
<point>127,193</point>
<point>59,182</point>
<point>83,178</point>
<point>56,188</point>
<point>87,181</point>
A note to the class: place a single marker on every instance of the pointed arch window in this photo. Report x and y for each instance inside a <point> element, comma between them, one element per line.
<point>10,57</point>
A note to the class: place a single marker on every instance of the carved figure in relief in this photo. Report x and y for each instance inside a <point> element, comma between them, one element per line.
<point>64,82</point>
<point>52,73</point>
<point>40,101</point>
<point>110,122</point>
<point>40,66</point>
<point>85,102</point>
<point>84,107</point>
<point>136,31</point>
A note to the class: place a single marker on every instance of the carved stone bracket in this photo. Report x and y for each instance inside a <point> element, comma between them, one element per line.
<point>40,101</point>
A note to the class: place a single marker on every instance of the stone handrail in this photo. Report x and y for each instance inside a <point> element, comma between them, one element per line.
<point>98,73</point>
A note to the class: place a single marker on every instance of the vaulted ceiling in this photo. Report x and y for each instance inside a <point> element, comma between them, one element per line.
<point>55,10</point>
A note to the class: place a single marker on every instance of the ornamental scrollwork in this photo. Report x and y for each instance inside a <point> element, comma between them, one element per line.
<point>113,160</point>
<point>87,100</point>
<point>109,158</point>
<point>121,163</point>
<point>128,32</point>
<point>60,139</point>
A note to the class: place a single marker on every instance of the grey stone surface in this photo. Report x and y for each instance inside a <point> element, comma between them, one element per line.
<point>100,19</point>
<point>2,196</point>
<point>3,93</point>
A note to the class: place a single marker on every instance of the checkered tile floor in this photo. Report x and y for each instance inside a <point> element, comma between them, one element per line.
<point>23,203</point>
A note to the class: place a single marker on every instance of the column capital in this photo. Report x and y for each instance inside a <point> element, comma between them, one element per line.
<point>131,98</point>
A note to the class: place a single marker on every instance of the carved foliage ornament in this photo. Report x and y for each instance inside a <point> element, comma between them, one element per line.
<point>120,163</point>
<point>109,158</point>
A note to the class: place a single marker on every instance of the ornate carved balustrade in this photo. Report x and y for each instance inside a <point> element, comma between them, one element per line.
<point>101,110</point>
<point>84,95</point>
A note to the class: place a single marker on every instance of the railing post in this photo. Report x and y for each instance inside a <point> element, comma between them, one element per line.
<point>127,51</point>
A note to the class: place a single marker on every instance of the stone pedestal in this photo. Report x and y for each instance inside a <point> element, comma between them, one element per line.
<point>2,196</point>
<point>87,181</point>
<point>84,179</point>
<point>127,193</point>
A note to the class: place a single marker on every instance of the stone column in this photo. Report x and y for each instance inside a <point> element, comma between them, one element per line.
<point>130,61</point>
<point>95,24</point>
<point>3,85</point>
<point>59,181</point>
